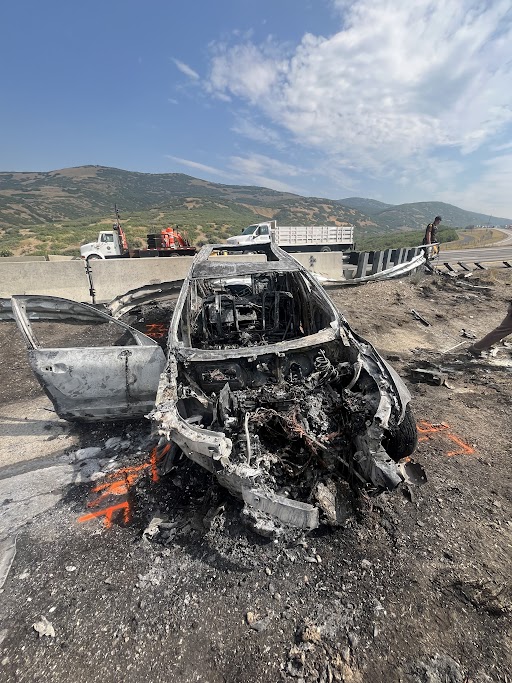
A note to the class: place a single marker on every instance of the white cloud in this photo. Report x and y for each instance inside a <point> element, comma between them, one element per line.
<point>251,170</point>
<point>247,128</point>
<point>254,169</point>
<point>243,70</point>
<point>501,148</point>
<point>491,190</point>
<point>186,70</point>
<point>395,85</point>
<point>203,168</point>
<point>258,164</point>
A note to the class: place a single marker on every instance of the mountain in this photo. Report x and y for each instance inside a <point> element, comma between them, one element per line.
<point>32,198</point>
<point>367,206</point>
<point>56,211</point>
<point>419,214</point>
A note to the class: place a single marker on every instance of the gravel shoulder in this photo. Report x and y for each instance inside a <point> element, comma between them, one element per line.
<point>415,588</point>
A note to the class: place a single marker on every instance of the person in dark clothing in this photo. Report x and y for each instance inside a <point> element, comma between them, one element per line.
<point>431,231</point>
<point>494,336</point>
<point>431,236</point>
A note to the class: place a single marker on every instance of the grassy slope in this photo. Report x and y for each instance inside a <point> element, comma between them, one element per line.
<point>57,211</point>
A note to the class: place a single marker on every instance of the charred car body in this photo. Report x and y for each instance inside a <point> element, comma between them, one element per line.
<point>268,388</point>
<point>265,384</point>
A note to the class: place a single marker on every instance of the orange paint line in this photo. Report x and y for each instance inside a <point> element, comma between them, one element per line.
<point>153,463</point>
<point>109,513</point>
<point>118,483</point>
<point>428,428</point>
<point>464,448</point>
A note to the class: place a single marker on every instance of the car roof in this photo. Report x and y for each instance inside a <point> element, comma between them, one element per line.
<point>277,260</point>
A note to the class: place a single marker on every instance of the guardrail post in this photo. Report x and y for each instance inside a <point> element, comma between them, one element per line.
<point>402,255</point>
<point>395,256</point>
<point>362,264</point>
<point>387,261</point>
<point>378,257</point>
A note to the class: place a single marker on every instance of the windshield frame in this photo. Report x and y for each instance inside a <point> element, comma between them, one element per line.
<point>249,230</point>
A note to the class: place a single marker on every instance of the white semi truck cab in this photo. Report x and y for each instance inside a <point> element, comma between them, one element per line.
<point>107,244</point>
<point>296,238</point>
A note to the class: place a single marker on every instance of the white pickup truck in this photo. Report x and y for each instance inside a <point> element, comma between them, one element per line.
<point>296,238</point>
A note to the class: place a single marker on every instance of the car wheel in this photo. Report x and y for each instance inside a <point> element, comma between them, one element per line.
<point>325,249</point>
<point>403,439</point>
<point>93,257</point>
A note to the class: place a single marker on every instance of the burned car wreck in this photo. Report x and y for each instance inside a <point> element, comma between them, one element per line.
<point>267,387</point>
<point>260,380</point>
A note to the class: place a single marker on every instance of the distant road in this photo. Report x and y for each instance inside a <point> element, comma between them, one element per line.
<point>500,251</point>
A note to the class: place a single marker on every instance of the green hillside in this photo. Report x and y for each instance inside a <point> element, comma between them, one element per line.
<point>368,206</point>
<point>55,212</point>
<point>416,215</point>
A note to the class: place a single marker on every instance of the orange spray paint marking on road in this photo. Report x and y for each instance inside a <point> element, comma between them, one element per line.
<point>464,448</point>
<point>109,513</point>
<point>428,430</point>
<point>155,458</point>
<point>119,483</point>
<point>425,427</point>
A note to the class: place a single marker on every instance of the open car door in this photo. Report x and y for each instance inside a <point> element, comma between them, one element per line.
<point>91,366</point>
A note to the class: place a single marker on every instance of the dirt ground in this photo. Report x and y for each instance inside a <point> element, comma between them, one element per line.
<point>415,588</point>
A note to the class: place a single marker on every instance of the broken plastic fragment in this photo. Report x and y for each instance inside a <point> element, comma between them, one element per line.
<point>287,511</point>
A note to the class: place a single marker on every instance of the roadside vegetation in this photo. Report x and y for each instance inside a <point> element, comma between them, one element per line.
<point>397,240</point>
<point>200,225</point>
<point>205,220</point>
<point>473,238</point>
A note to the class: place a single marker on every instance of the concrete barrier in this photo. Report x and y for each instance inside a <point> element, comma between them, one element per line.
<point>113,277</point>
<point>60,257</point>
<point>328,263</point>
<point>116,276</point>
<point>63,278</point>
<point>21,259</point>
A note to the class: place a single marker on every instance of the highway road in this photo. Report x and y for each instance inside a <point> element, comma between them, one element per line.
<point>501,251</point>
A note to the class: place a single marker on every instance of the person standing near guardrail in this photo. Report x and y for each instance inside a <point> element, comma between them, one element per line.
<point>494,336</point>
<point>431,235</point>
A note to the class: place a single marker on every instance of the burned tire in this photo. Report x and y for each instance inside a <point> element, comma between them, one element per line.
<point>403,439</point>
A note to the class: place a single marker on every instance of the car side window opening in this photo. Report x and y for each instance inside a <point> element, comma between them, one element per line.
<point>74,326</point>
<point>107,238</point>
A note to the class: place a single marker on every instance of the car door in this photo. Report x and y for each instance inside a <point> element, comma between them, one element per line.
<point>91,366</point>
<point>262,234</point>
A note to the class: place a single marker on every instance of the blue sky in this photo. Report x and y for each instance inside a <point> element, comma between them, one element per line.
<point>377,98</point>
